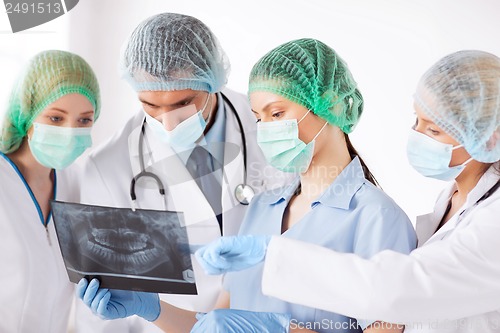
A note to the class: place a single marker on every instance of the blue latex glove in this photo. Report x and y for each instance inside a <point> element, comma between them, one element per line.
<point>232,253</point>
<point>113,304</point>
<point>239,321</point>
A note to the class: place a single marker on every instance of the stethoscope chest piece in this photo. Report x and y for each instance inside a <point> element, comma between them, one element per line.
<point>244,193</point>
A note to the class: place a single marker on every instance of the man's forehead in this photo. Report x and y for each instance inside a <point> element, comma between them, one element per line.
<point>168,97</point>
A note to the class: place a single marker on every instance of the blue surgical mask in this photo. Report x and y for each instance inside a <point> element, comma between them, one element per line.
<point>185,135</point>
<point>57,147</point>
<point>432,158</point>
<point>281,146</point>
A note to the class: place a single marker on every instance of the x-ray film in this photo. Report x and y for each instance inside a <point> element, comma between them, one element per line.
<point>142,250</point>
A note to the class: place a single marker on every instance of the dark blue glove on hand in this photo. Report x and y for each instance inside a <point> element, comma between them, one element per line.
<point>113,304</point>
<point>239,321</point>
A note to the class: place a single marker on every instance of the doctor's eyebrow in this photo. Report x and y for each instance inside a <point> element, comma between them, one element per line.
<point>267,106</point>
<point>146,102</point>
<point>60,110</point>
<point>184,101</point>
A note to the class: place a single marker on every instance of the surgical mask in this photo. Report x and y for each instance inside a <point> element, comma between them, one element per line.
<point>281,146</point>
<point>183,136</point>
<point>432,158</point>
<point>57,147</point>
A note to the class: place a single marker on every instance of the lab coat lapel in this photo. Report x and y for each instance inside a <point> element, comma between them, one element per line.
<point>188,198</point>
<point>181,190</point>
<point>426,225</point>
<point>233,170</point>
<point>484,184</point>
<point>233,174</point>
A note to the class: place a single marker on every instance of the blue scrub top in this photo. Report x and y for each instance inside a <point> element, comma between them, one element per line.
<point>351,216</point>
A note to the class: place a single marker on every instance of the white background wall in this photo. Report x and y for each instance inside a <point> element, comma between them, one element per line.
<point>388,44</point>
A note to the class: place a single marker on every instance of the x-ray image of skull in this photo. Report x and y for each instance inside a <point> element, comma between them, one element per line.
<point>121,241</point>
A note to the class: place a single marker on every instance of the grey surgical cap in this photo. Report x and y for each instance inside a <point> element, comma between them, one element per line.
<point>461,94</point>
<point>171,51</point>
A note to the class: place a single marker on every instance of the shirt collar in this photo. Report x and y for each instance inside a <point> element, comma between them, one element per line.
<point>217,132</point>
<point>280,194</point>
<point>338,195</point>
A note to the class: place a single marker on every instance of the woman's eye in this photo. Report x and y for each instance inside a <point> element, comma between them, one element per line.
<point>86,121</point>
<point>55,119</point>
<point>434,132</point>
<point>257,120</point>
<point>278,115</point>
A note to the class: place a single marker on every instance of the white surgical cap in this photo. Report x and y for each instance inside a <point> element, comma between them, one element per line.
<point>461,95</point>
<point>171,51</point>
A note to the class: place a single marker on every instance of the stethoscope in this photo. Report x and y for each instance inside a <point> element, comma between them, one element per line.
<point>243,192</point>
<point>463,213</point>
<point>484,197</point>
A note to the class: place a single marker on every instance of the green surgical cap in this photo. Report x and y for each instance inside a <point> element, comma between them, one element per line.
<point>171,51</point>
<point>49,76</point>
<point>461,94</point>
<point>310,73</point>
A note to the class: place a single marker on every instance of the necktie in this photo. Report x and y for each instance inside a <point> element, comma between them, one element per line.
<point>204,169</point>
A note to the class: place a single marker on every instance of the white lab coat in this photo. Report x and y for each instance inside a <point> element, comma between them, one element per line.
<point>35,294</point>
<point>451,283</point>
<point>106,181</point>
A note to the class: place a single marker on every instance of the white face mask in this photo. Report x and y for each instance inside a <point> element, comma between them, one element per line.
<point>185,135</point>
<point>432,158</point>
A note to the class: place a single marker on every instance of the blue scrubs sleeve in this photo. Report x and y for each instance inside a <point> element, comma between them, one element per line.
<point>385,229</point>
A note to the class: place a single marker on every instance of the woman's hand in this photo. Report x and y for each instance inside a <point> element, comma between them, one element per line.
<point>232,253</point>
<point>113,304</point>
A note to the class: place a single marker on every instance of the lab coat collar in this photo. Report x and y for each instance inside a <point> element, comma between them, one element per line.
<point>486,182</point>
<point>427,224</point>
<point>234,166</point>
<point>338,195</point>
<point>217,132</point>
